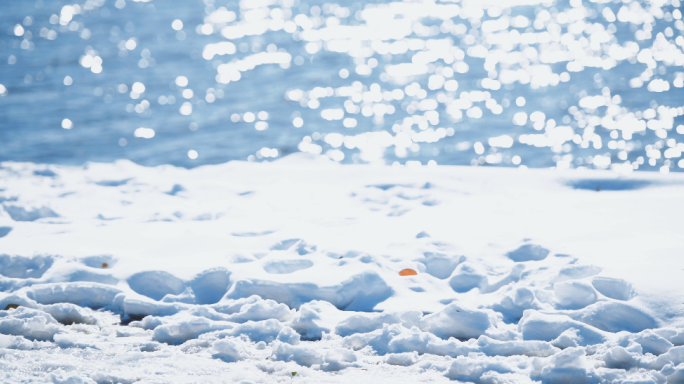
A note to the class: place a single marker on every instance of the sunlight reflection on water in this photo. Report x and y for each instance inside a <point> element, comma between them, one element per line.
<point>562,84</point>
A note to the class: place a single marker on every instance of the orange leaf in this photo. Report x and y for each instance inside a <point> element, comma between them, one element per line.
<point>407,272</point>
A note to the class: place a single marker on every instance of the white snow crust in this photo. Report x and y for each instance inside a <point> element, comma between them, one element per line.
<point>289,272</point>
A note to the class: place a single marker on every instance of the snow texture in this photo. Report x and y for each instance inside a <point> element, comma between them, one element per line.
<point>521,276</point>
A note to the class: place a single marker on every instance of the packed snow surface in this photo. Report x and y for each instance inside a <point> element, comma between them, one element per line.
<point>289,272</point>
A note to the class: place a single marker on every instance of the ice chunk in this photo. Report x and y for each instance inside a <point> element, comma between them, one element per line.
<point>262,310</point>
<point>405,359</point>
<point>338,359</point>
<point>528,252</point>
<point>230,349</point>
<point>460,322</point>
<point>187,327</point>
<point>314,318</point>
<point>300,354</point>
<point>30,323</point>
<point>288,335</point>
<point>568,366</point>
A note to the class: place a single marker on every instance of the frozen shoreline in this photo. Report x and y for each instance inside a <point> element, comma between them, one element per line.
<point>320,242</point>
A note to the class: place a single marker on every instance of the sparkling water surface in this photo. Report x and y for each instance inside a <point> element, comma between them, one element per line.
<point>562,84</point>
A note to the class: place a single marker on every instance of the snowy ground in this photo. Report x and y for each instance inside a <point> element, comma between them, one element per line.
<point>253,271</point>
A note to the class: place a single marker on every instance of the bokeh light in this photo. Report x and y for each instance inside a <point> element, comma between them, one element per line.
<point>542,83</point>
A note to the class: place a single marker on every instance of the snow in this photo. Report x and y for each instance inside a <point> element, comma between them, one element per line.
<point>289,271</point>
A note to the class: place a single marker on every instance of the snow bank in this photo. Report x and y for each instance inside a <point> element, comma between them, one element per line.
<point>274,272</point>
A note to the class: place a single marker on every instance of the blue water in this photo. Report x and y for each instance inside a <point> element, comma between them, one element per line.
<point>568,50</point>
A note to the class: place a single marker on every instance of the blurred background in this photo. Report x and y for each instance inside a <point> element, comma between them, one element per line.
<point>563,84</point>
